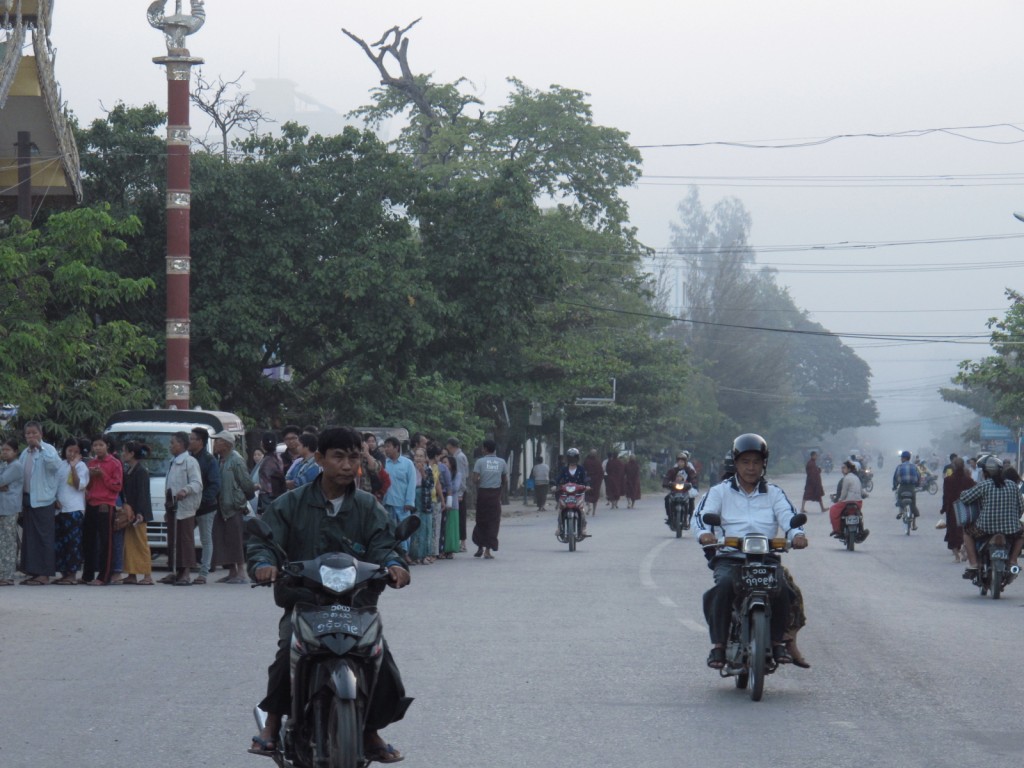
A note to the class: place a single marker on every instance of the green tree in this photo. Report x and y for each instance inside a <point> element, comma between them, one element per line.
<point>994,386</point>
<point>774,371</point>
<point>63,360</point>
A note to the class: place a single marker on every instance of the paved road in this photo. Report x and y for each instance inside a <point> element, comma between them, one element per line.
<point>544,658</point>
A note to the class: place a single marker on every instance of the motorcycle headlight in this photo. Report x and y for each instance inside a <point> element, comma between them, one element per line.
<point>680,486</point>
<point>756,545</point>
<point>338,579</point>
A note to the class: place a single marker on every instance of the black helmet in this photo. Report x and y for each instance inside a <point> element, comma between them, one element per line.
<point>750,442</point>
<point>573,453</point>
<point>729,464</point>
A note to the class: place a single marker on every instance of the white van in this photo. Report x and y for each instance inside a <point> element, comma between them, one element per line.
<point>154,427</point>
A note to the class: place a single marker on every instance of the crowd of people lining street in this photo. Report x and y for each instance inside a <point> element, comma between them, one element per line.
<point>77,514</point>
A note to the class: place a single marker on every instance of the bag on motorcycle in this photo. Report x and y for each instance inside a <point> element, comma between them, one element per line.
<point>966,513</point>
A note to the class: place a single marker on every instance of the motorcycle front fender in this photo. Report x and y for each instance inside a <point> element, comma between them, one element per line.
<point>336,675</point>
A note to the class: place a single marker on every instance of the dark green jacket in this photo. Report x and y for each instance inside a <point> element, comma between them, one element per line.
<point>301,525</point>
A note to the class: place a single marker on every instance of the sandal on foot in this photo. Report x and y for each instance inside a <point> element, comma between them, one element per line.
<point>65,582</point>
<point>780,654</point>
<point>261,746</point>
<point>798,658</point>
<point>970,573</point>
<point>145,583</point>
<point>384,753</point>
<point>716,659</point>
<point>199,580</point>
<point>34,582</point>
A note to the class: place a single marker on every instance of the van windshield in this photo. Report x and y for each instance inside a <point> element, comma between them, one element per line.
<point>159,449</point>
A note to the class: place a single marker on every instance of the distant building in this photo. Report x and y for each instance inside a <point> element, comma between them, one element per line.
<point>38,157</point>
<point>282,101</point>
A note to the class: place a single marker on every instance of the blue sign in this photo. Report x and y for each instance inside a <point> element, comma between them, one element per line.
<point>992,431</point>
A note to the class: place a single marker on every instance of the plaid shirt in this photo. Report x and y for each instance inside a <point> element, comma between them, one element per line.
<point>905,474</point>
<point>1000,507</point>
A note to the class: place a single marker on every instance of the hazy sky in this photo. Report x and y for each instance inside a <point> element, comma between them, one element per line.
<point>696,72</point>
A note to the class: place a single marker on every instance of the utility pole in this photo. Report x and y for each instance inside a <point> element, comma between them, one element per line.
<point>179,63</point>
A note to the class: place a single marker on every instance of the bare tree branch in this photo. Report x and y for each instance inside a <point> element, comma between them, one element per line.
<point>227,112</point>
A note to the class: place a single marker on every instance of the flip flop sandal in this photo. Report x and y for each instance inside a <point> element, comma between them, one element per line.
<point>716,659</point>
<point>33,583</point>
<point>261,746</point>
<point>199,580</point>
<point>383,754</point>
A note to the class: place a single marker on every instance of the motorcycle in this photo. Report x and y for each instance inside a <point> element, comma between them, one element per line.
<point>905,500</point>
<point>336,655</point>
<point>851,525</point>
<point>929,483</point>
<point>867,481</point>
<point>571,509</point>
<point>827,465</point>
<point>994,571</point>
<point>680,506</point>
<point>748,653</point>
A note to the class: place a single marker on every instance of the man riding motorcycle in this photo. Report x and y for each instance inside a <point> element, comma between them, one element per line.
<point>684,467</point>
<point>330,514</point>
<point>573,472</point>
<point>747,503</point>
<point>1000,512</point>
<point>905,481</point>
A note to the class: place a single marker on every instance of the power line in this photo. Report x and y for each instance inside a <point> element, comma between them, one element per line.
<point>798,143</point>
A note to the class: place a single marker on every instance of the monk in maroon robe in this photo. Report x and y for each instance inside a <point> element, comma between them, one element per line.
<point>615,479</point>
<point>592,464</point>
<point>632,481</point>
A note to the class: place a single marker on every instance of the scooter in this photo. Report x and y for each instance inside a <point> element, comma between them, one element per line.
<point>748,654</point>
<point>851,525</point>
<point>994,571</point>
<point>336,655</point>
<point>571,509</point>
<point>680,506</point>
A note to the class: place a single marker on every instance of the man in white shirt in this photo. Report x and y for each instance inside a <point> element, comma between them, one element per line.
<point>747,504</point>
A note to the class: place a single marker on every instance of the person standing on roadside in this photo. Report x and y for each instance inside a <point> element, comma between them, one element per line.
<point>271,473</point>
<point>490,474</point>
<point>106,479</point>
<point>185,493</point>
<point>138,560</point>
<point>70,512</point>
<point>236,488</point>
<point>290,438</point>
<point>10,508</point>
<point>304,469</point>
<point>461,479</point>
<point>198,443</point>
<point>400,500</point>
<point>541,474</point>
<point>40,465</point>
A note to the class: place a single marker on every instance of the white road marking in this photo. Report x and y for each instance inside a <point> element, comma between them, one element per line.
<point>647,564</point>
<point>667,601</point>
<point>693,626</point>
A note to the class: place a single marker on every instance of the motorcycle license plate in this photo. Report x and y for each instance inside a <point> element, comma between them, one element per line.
<point>853,519</point>
<point>338,618</point>
<point>999,554</point>
<point>760,577</point>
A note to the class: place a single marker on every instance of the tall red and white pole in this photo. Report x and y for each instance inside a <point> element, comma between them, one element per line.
<point>179,63</point>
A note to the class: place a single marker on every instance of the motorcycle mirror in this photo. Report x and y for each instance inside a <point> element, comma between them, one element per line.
<point>712,519</point>
<point>407,527</point>
<point>798,519</point>
<point>254,526</point>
